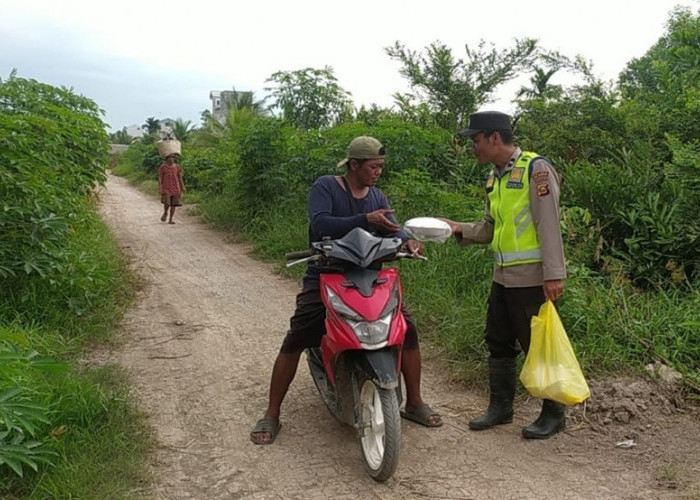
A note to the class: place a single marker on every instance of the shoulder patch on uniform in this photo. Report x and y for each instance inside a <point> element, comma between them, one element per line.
<point>540,175</point>
<point>542,189</point>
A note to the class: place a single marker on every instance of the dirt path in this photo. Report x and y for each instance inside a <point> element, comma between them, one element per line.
<point>200,342</point>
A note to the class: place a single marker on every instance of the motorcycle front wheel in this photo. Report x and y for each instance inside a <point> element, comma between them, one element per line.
<point>381,440</point>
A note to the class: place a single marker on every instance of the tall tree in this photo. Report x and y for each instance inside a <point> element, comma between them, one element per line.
<point>661,90</point>
<point>454,88</point>
<point>310,98</point>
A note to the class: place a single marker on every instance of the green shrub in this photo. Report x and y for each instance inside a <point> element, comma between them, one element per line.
<point>262,178</point>
<point>54,147</point>
<point>24,440</point>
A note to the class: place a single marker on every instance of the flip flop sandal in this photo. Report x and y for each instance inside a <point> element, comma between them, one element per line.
<point>421,415</point>
<point>269,425</point>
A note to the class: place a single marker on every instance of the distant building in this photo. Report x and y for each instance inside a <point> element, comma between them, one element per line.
<point>135,131</point>
<point>166,122</point>
<point>116,149</point>
<point>138,131</point>
<point>220,100</point>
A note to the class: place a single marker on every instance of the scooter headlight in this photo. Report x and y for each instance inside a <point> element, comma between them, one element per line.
<point>371,334</point>
<point>340,307</point>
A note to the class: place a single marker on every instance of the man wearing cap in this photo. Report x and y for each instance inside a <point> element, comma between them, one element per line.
<point>521,223</point>
<point>336,205</point>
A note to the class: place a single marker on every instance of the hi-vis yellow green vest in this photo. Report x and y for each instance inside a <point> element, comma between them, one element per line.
<point>514,236</point>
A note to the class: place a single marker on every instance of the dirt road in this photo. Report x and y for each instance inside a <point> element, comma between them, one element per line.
<point>199,343</point>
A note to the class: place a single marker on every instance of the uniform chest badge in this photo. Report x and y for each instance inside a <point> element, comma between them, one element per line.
<point>516,179</point>
<point>516,175</point>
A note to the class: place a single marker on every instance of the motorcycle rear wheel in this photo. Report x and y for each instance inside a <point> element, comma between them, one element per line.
<point>381,440</point>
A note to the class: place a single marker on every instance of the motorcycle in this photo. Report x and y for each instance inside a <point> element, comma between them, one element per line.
<point>357,368</point>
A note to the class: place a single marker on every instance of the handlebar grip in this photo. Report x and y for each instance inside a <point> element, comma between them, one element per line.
<point>302,254</point>
<point>406,255</point>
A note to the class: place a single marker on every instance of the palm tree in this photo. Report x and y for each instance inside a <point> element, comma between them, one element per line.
<point>182,129</point>
<point>152,125</point>
<point>240,106</point>
<point>245,100</point>
<point>540,87</point>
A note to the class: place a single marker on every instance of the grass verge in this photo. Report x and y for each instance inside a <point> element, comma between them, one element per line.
<point>83,417</point>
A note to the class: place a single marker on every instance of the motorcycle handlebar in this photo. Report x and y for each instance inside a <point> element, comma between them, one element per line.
<point>302,254</point>
<point>406,255</point>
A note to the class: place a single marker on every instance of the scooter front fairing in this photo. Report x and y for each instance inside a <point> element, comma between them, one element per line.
<point>361,318</point>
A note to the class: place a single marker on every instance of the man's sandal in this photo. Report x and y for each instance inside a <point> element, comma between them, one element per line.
<point>422,416</point>
<point>269,425</point>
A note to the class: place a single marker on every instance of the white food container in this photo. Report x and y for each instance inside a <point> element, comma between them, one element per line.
<point>428,229</point>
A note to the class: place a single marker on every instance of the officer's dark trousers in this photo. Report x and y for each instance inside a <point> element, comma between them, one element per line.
<point>508,319</point>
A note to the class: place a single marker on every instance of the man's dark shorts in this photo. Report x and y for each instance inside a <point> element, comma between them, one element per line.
<point>306,326</point>
<point>170,200</point>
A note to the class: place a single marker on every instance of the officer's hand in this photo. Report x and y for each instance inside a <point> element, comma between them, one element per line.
<point>379,220</point>
<point>454,226</point>
<point>553,289</point>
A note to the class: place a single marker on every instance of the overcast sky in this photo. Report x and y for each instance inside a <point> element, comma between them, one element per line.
<point>139,59</point>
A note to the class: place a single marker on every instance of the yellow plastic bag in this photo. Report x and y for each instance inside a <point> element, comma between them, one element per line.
<point>551,370</point>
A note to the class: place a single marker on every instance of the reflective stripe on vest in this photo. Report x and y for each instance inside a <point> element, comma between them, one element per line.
<point>514,236</point>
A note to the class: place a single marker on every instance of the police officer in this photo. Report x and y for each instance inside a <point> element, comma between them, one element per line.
<point>521,223</point>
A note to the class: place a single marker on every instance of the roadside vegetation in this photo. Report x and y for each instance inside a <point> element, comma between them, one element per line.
<point>628,152</point>
<point>67,429</point>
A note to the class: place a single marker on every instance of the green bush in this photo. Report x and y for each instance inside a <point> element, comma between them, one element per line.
<point>65,284</point>
<point>53,146</point>
<point>208,170</point>
<point>25,440</point>
<point>262,178</point>
<point>584,125</point>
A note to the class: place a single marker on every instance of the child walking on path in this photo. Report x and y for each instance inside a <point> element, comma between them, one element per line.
<point>170,186</point>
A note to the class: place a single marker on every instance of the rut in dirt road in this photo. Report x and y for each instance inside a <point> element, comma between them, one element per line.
<point>199,343</point>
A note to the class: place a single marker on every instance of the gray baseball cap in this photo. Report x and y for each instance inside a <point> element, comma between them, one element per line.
<point>363,148</point>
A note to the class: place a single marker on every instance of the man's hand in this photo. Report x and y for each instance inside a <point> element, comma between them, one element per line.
<point>414,247</point>
<point>454,226</point>
<point>553,289</point>
<point>378,220</point>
